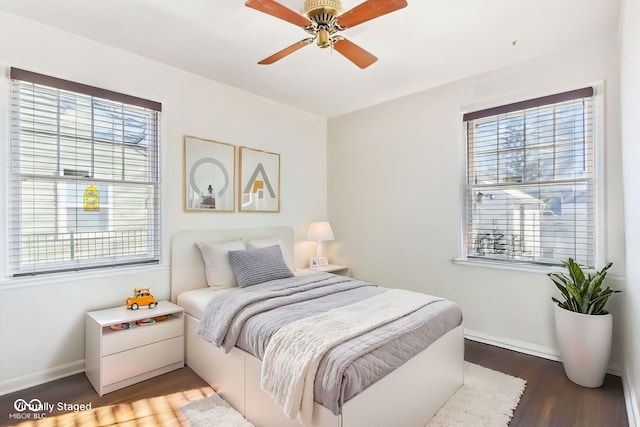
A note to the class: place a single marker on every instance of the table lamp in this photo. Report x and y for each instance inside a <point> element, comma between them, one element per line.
<point>321,232</point>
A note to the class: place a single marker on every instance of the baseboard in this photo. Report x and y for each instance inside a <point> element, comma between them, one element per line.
<point>41,377</point>
<point>545,352</point>
<point>631,403</point>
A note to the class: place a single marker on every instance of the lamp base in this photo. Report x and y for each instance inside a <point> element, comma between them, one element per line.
<point>320,250</point>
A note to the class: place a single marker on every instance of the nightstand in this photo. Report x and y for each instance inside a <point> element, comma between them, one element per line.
<point>341,270</point>
<point>117,358</point>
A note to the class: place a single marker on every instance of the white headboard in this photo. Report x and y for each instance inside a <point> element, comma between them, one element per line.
<point>187,266</point>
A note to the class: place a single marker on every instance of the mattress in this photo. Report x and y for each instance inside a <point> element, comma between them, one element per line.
<point>350,367</point>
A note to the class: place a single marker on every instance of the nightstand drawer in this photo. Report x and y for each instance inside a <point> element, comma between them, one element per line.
<point>138,336</point>
<point>127,364</point>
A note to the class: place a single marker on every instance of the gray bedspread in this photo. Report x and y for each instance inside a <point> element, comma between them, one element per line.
<point>248,317</point>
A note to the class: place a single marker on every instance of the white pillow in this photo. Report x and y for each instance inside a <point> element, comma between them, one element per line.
<point>265,243</point>
<point>216,262</point>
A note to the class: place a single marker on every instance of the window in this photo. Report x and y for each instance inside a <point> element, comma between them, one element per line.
<point>84,177</point>
<point>530,190</point>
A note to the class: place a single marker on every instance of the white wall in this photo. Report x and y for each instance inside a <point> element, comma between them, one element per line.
<point>394,195</point>
<point>42,319</point>
<point>630,102</point>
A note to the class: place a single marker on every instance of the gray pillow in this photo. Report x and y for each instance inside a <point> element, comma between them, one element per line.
<point>253,266</point>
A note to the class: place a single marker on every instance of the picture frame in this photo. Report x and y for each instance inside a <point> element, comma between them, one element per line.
<point>259,189</point>
<point>317,262</point>
<point>209,175</point>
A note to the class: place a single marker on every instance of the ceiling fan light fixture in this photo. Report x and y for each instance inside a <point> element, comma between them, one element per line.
<point>324,40</point>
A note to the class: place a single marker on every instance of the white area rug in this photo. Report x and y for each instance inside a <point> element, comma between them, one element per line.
<point>213,411</point>
<point>487,399</point>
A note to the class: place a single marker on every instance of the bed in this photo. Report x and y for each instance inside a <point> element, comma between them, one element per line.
<point>408,396</point>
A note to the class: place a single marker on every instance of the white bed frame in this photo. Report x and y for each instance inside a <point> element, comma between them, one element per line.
<point>407,397</point>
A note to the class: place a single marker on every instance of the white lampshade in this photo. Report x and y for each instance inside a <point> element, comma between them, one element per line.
<point>320,231</point>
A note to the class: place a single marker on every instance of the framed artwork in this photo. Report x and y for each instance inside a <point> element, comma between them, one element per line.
<point>209,175</point>
<point>259,181</point>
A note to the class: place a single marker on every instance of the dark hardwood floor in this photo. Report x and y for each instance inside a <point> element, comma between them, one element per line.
<point>549,399</point>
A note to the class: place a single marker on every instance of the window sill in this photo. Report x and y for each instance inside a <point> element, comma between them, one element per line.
<point>65,278</point>
<point>540,269</point>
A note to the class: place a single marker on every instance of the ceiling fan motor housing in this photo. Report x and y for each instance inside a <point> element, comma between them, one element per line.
<point>324,13</point>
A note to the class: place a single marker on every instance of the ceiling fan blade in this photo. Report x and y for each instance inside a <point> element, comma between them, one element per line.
<point>273,8</point>
<point>368,10</point>
<point>286,51</point>
<point>353,52</point>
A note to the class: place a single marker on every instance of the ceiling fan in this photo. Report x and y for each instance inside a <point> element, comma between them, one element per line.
<point>323,19</point>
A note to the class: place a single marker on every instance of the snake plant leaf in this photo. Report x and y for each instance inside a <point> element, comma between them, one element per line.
<point>600,301</point>
<point>576,273</point>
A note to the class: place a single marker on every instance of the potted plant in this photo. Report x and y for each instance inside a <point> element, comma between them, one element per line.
<point>583,327</point>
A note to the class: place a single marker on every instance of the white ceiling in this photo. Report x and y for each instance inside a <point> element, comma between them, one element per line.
<point>428,43</point>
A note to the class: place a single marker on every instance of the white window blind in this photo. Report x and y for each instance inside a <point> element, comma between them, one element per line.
<point>530,191</point>
<point>84,177</point>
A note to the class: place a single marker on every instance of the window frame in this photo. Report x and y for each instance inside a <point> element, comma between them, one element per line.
<point>152,111</point>
<point>599,162</point>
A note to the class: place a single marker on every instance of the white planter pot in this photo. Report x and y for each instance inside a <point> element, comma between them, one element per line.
<point>585,345</point>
